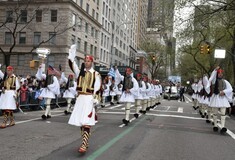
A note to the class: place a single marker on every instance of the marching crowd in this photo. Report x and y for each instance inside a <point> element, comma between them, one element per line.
<point>211,95</point>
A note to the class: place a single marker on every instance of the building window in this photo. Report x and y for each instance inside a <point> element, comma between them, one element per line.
<point>91,50</point>
<point>96,34</point>
<point>87,27</point>
<point>73,39</point>
<point>93,13</point>
<point>38,15</point>
<point>106,12</point>
<point>103,8</point>
<point>37,38</point>
<point>107,42</point>
<point>103,21</point>
<point>97,16</point>
<point>95,52</point>
<point>23,16</point>
<point>102,39</point>
<point>101,54</point>
<point>81,3</point>
<point>79,44</point>
<point>53,15</point>
<point>51,60</point>
<point>21,60</point>
<point>87,8</point>
<point>119,7</point>
<point>85,46</point>
<point>104,55</point>
<point>109,14</point>
<point>80,23</point>
<point>9,16</point>
<point>73,19</point>
<point>22,38</point>
<point>92,31</point>
<point>8,38</point>
<point>52,38</point>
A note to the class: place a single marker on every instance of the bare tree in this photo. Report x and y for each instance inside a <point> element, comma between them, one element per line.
<point>20,18</point>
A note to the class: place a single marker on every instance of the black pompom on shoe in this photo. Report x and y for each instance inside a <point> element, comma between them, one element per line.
<point>215,129</point>
<point>208,121</point>
<point>223,130</point>
<point>136,115</point>
<point>66,112</point>
<point>125,121</point>
<point>141,111</point>
<point>44,117</point>
<point>48,116</point>
<point>148,108</point>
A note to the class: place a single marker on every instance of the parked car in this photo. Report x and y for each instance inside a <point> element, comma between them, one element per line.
<point>174,93</point>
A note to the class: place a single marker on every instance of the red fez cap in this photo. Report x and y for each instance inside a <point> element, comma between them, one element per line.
<point>128,70</point>
<point>220,71</point>
<point>89,58</point>
<point>71,76</point>
<point>138,75</point>
<point>10,68</point>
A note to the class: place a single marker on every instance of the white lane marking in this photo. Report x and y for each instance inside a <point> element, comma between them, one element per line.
<point>160,115</point>
<point>188,98</point>
<point>165,111</point>
<point>115,106</point>
<point>122,125</point>
<point>180,110</point>
<point>34,119</point>
<point>228,132</point>
<point>123,108</point>
<point>168,107</point>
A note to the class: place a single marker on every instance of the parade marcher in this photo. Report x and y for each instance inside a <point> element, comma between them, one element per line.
<point>153,95</point>
<point>200,94</point>
<point>130,88</point>
<point>139,96</point>
<point>70,91</point>
<point>145,95</point>
<point>113,90</point>
<point>206,110</point>
<point>149,94</point>
<point>222,94</point>
<point>159,92</point>
<point>8,97</point>
<point>88,87</point>
<point>194,96</point>
<point>119,92</point>
<point>105,90</point>
<point>51,88</point>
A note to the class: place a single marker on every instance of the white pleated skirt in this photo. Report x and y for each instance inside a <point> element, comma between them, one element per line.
<point>127,97</point>
<point>219,101</point>
<point>82,109</point>
<point>7,100</point>
<point>46,93</point>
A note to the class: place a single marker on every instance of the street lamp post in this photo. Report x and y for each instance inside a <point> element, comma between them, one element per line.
<point>43,53</point>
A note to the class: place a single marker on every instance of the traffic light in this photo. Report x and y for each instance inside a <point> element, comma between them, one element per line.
<point>202,49</point>
<point>154,58</point>
<point>208,49</point>
<point>34,64</point>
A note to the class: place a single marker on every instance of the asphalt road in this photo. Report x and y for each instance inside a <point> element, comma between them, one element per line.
<point>171,131</point>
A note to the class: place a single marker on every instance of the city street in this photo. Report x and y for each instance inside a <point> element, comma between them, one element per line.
<point>171,131</point>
